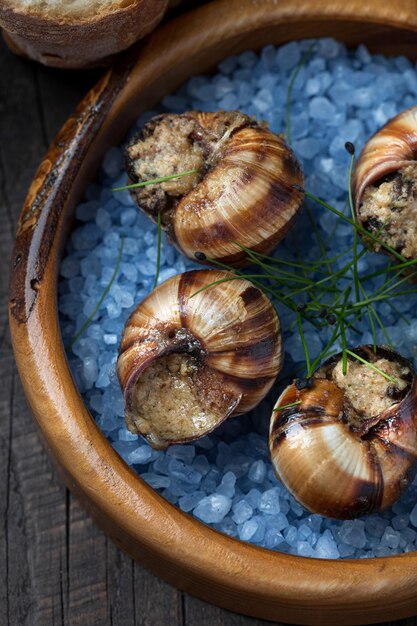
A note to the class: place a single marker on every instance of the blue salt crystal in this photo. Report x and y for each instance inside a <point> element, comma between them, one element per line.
<point>205,443</point>
<point>290,535</point>
<point>213,508</point>
<point>390,538</point>
<point>248,529</point>
<point>313,85</point>
<point>228,65</point>
<point>113,162</point>
<point>382,551</point>
<point>305,549</point>
<point>183,472</point>
<point>329,48</point>
<point>103,380</point>
<point>227,526</point>
<point>96,402</point>
<point>124,448</point>
<point>247,59</point>
<point>140,455</point>
<point>239,465</point>
<point>269,502</point>
<point>103,219</point>
<point>263,100</point>
<point>363,54</point>
<point>70,304</point>
<point>185,453</point>
<point>257,472</point>
<point>86,211</point>
<point>259,534</point>
<point>178,487</point>
<point>128,216</point>
<point>288,56</point>
<point>413,516</point>
<point>314,522</point>
<point>188,502</point>
<point>408,534</point>
<point>161,465</point>
<point>126,435</point>
<point>76,284</point>
<point>278,521</point>
<point>307,148</point>
<point>229,102</point>
<point>156,481</point>
<point>321,108</point>
<point>296,508</point>
<point>201,464</point>
<point>242,511</point>
<point>353,532</point>
<point>362,97</point>
<point>402,63</point>
<point>70,267</point>
<point>223,86</point>
<point>326,546</point>
<point>90,371</point>
<point>211,479</point>
<point>273,538</point>
<point>227,485</point>
<point>253,498</point>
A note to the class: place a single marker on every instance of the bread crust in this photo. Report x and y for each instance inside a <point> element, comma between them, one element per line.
<point>79,42</point>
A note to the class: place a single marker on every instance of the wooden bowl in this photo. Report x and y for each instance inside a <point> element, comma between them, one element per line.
<point>227,572</point>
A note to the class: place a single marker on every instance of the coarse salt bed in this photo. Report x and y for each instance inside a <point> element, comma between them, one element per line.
<point>226,479</point>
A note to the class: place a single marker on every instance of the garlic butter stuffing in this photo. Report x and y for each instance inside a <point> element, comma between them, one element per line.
<point>241,188</point>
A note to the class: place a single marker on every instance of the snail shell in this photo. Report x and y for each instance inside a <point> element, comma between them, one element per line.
<point>187,362</point>
<point>242,191</point>
<point>349,446</point>
<point>385,185</point>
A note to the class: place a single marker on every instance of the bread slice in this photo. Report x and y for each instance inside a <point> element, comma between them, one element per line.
<point>76,33</point>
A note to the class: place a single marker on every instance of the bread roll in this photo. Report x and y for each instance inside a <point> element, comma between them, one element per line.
<point>76,33</point>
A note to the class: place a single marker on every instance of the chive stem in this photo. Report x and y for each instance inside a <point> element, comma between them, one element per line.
<point>372,366</point>
<point>288,406</point>
<point>155,181</point>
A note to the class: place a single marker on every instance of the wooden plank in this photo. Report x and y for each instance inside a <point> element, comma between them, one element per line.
<point>87,571</point>
<point>120,587</point>
<point>155,602</point>
<point>198,613</point>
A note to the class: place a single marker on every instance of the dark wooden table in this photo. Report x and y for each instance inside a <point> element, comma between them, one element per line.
<point>56,567</point>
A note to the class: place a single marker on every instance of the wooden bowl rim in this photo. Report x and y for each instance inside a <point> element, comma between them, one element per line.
<point>90,465</point>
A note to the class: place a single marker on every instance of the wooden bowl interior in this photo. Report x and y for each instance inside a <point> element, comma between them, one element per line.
<point>180,549</point>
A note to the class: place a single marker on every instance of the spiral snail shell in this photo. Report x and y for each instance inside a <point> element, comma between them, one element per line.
<point>385,185</point>
<point>348,444</point>
<point>242,190</point>
<point>187,362</point>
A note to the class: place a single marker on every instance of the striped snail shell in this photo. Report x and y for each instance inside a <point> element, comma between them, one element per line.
<point>348,444</point>
<point>242,190</point>
<point>187,362</point>
<point>385,185</point>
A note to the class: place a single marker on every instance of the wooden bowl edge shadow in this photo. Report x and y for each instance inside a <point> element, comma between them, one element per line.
<point>180,549</point>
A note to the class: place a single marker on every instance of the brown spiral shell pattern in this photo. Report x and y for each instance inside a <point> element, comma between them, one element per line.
<point>232,331</point>
<point>245,193</point>
<point>391,148</point>
<point>333,469</point>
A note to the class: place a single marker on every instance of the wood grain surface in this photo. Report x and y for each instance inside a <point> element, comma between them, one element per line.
<point>56,567</point>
